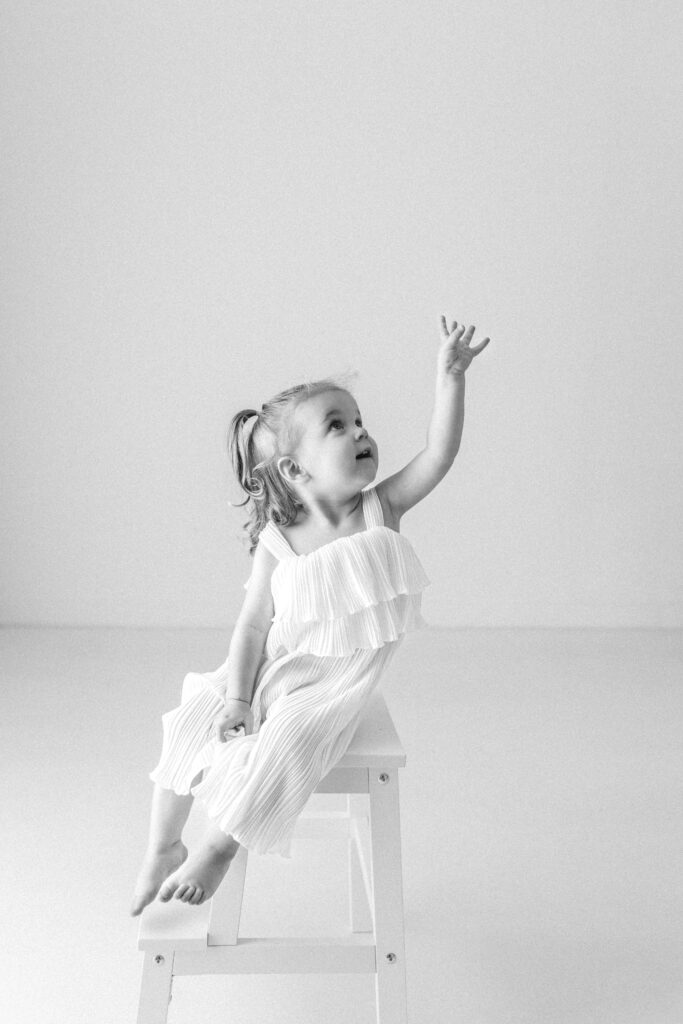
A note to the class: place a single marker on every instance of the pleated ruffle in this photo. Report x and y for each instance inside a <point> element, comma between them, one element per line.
<point>367,628</point>
<point>357,592</point>
<point>346,575</point>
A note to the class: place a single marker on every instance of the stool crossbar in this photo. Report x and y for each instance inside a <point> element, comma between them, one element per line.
<point>179,940</point>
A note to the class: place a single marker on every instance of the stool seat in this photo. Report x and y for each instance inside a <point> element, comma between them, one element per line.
<point>375,740</point>
<point>181,940</point>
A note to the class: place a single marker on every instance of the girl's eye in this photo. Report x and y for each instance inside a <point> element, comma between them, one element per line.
<point>332,423</point>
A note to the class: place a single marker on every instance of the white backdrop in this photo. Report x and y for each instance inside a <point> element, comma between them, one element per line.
<point>204,203</point>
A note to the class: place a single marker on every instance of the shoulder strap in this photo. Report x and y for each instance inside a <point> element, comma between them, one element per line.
<point>372,508</point>
<point>275,541</point>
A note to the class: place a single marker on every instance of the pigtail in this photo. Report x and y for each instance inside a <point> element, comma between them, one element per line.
<point>251,447</point>
<point>242,454</point>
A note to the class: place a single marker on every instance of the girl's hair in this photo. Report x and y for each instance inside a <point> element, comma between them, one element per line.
<point>256,440</point>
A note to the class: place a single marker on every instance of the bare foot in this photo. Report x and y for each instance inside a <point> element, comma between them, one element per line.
<point>157,865</point>
<point>199,877</point>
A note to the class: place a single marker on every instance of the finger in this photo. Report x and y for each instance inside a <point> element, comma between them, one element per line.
<point>468,335</point>
<point>444,326</point>
<point>477,348</point>
<point>450,335</point>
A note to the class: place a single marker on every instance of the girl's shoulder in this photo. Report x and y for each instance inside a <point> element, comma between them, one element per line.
<point>273,544</point>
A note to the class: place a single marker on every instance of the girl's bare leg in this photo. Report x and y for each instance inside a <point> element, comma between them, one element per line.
<point>165,849</point>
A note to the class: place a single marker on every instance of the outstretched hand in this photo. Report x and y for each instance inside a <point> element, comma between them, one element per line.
<point>455,354</point>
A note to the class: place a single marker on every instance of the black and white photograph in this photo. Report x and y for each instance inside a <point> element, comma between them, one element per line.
<point>341,620</point>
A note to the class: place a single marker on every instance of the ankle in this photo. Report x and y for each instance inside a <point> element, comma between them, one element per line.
<point>159,847</point>
<point>223,845</point>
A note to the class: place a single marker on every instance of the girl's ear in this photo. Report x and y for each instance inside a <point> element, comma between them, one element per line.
<point>289,469</point>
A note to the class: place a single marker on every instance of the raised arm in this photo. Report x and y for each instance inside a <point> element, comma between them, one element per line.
<point>420,476</point>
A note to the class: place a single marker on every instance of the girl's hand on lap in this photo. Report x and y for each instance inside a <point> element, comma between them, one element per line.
<point>235,713</point>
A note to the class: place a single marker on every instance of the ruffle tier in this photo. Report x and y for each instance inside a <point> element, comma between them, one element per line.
<point>346,576</point>
<point>365,629</point>
<point>358,592</point>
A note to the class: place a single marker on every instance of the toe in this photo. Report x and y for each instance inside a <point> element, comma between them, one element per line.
<point>188,894</point>
<point>166,892</point>
<point>197,898</point>
<point>181,890</point>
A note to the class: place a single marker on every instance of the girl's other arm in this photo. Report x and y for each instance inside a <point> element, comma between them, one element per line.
<point>251,629</point>
<point>244,657</point>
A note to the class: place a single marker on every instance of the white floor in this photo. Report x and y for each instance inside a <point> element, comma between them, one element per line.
<point>540,809</point>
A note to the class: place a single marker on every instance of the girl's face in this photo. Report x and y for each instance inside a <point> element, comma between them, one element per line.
<point>332,437</point>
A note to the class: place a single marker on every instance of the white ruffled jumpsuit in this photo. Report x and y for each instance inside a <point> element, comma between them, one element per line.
<point>341,612</point>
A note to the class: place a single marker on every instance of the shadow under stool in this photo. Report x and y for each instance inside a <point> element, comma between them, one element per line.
<point>180,940</point>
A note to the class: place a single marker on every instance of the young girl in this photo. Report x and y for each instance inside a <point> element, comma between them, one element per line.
<point>334,588</point>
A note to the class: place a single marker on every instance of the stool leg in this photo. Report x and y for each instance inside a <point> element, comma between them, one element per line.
<point>226,904</point>
<point>155,990</point>
<point>387,885</point>
<point>360,912</point>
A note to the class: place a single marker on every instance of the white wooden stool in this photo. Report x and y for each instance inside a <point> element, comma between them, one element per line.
<point>181,940</point>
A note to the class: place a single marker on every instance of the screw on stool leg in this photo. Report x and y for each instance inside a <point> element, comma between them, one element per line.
<point>158,959</point>
<point>155,987</point>
<point>385,837</point>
